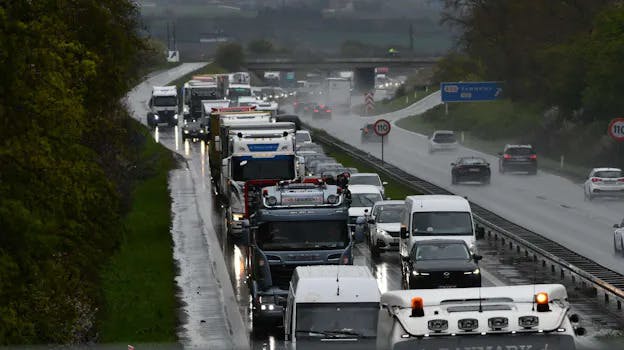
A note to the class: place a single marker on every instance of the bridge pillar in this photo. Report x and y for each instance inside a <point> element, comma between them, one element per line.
<point>364,79</point>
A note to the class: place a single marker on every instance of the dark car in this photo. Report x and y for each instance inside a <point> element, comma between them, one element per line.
<point>368,134</point>
<point>195,130</point>
<point>320,110</point>
<point>518,158</point>
<point>470,169</point>
<point>442,263</point>
<point>289,118</point>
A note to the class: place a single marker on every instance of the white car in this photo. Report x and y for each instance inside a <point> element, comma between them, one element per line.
<point>368,179</point>
<point>302,136</point>
<point>442,140</point>
<point>384,226</point>
<point>363,197</point>
<point>604,182</point>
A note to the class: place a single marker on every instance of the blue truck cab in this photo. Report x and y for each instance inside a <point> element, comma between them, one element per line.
<point>296,224</point>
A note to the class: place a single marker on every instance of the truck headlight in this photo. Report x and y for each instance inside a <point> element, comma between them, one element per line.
<point>237,216</point>
<point>473,272</point>
<point>416,273</point>
<point>155,116</point>
<point>186,131</point>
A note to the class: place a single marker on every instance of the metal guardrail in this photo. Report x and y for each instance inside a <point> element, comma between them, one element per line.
<point>605,281</point>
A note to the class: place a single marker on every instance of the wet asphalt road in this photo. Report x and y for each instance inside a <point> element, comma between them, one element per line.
<point>215,313</point>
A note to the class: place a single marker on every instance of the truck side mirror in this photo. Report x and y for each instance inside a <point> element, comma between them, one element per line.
<point>404,233</point>
<point>616,226</point>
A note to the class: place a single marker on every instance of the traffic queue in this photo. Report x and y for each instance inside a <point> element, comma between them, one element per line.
<point>297,214</point>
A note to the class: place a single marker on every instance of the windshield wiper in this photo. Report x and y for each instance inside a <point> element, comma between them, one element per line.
<point>331,334</point>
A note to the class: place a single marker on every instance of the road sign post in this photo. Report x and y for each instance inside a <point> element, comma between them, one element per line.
<point>382,128</point>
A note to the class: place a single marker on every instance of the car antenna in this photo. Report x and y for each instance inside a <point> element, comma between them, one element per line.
<point>480,286</point>
<point>534,280</point>
<point>337,280</point>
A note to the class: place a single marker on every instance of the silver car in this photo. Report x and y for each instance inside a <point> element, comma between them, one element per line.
<point>384,226</point>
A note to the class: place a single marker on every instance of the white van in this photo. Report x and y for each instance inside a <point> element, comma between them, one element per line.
<point>435,217</point>
<point>511,317</point>
<point>332,306</point>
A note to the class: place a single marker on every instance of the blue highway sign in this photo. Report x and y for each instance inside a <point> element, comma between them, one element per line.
<point>471,91</point>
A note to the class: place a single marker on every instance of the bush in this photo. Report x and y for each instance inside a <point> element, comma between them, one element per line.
<point>230,56</point>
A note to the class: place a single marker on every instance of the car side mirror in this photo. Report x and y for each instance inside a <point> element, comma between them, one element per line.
<point>477,257</point>
<point>404,233</point>
<point>574,318</point>
<point>580,331</point>
<point>452,164</point>
<point>616,226</point>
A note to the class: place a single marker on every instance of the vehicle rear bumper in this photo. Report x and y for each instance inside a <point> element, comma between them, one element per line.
<point>520,166</point>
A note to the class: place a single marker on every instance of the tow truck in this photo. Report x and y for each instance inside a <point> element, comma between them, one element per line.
<point>163,106</point>
<point>295,224</point>
<point>511,317</point>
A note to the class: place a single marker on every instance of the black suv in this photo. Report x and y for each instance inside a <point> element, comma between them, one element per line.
<point>518,158</point>
<point>441,263</point>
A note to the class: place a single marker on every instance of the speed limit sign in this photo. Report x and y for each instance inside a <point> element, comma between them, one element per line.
<point>381,127</point>
<point>616,129</point>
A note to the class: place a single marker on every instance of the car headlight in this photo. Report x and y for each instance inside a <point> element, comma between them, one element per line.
<point>186,131</point>
<point>175,116</point>
<point>474,272</point>
<point>155,116</point>
<point>201,131</point>
<point>416,273</point>
<point>237,216</point>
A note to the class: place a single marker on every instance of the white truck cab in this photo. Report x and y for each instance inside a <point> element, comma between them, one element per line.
<point>163,106</point>
<point>332,306</point>
<point>510,317</point>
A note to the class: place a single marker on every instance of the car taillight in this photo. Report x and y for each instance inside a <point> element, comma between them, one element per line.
<point>533,156</point>
<point>316,110</point>
<point>329,110</point>
<point>506,156</point>
<point>595,179</point>
<point>621,179</point>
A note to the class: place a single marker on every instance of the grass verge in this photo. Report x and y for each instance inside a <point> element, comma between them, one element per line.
<point>138,283</point>
<point>509,122</point>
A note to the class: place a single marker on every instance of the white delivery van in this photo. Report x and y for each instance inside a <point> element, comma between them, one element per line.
<point>511,317</point>
<point>332,306</point>
<point>435,217</point>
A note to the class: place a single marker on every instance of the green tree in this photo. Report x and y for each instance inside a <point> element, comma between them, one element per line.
<point>230,56</point>
<point>260,47</point>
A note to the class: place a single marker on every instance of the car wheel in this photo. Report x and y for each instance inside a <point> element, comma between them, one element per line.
<point>487,180</point>
<point>615,246</point>
<point>501,169</point>
<point>454,179</point>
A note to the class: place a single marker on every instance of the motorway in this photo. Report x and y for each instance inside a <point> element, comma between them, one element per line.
<point>550,205</point>
<point>215,313</point>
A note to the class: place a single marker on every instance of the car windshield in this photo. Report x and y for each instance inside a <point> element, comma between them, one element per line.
<point>248,168</point>
<point>302,235</point>
<point>165,101</point>
<point>608,174</point>
<point>337,319</point>
<point>440,251</point>
<point>302,137</point>
<point>364,199</point>
<point>441,223</point>
<point>365,180</point>
<point>389,214</point>
<point>520,151</point>
<point>444,138</point>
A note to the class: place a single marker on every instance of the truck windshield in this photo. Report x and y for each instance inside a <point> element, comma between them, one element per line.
<point>335,319</point>
<point>441,223</point>
<point>165,101</point>
<point>303,235</point>
<point>234,93</point>
<point>208,93</point>
<point>277,168</point>
<point>491,341</point>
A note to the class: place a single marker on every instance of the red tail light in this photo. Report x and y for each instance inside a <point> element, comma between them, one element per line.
<point>506,156</point>
<point>621,179</point>
<point>595,179</point>
<point>316,110</point>
<point>533,156</point>
<point>329,110</point>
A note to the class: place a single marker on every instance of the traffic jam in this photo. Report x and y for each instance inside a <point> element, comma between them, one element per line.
<point>297,215</point>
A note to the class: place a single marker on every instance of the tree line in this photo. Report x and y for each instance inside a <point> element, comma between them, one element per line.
<point>564,56</point>
<point>67,147</point>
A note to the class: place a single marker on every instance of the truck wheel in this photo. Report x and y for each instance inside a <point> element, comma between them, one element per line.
<point>374,250</point>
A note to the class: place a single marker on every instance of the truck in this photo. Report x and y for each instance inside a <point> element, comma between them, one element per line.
<point>295,224</point>
<point>199,88</point>
<point>163,106</point>
<point>338,93</point>
<point>339,304</point>
<point>511,317</point>
<point>264,151</point>
<point>236,85</point>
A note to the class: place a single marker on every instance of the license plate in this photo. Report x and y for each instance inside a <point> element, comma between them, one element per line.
<point>449,286</point>
<point>474,170</point>
<point>608,182</point>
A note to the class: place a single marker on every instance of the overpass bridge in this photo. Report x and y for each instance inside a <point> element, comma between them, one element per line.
<point>362,67</point>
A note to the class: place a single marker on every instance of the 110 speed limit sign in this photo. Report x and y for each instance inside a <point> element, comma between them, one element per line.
<point>382,127</point>
<point>616,129</point>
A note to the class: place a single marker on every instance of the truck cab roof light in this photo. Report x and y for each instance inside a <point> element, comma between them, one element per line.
<point>417,307</point>
<point>528,322</point>
<point>498,323</point>
<point>437,325</point>
<point>468,324</point>
<point>265,193</point>
<point>541,299</point>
